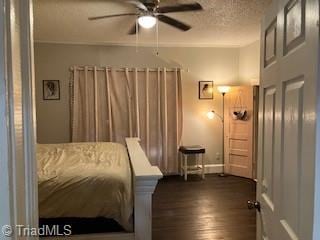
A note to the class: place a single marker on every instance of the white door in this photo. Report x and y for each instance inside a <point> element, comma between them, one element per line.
<point>287,121</point>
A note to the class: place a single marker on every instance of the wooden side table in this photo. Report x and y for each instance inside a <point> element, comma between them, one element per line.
<point>199,152</point>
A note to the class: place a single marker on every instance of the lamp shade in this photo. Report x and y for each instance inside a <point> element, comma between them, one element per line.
<point>223,89</point>
<point>147,21</point>
<point>210,114</point>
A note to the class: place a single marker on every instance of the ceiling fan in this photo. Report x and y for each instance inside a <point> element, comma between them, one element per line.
<point>148,11</point>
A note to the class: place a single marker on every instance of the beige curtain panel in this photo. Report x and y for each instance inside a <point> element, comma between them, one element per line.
<point>112,104</point>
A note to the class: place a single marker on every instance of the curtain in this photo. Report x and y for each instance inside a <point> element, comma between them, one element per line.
<point>112,104</point>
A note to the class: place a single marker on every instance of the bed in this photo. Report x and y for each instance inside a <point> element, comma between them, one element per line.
<point>85,180</point>
<point>98,180</point>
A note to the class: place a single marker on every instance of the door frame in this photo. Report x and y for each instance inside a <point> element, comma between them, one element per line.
<point>18,172</point>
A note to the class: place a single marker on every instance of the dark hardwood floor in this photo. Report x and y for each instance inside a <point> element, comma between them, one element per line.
<point>214,209</point>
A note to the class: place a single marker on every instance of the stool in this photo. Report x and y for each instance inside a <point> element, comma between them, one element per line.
<point>185,151</point>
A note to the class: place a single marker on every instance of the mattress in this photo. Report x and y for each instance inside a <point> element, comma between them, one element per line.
<point>85,180</point>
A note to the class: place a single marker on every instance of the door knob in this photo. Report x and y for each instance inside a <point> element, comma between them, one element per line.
<point>254,205</point>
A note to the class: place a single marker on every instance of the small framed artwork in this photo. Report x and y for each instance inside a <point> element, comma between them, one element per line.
<point>205,89</point>
<point>51,90</point>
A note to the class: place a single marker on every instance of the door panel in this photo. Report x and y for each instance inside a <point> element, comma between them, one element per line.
<point>268,148</point>
<point>267,186</point>
<point>290,171</point>
<point>287,120</point>
<point>270,50</point>
<point>294,24</point>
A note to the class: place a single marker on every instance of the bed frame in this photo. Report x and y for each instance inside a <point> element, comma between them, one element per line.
<point>145,179</point>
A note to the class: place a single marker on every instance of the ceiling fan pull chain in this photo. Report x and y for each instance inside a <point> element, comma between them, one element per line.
<point>157,33</point>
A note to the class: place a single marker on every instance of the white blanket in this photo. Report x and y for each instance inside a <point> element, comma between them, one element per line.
<point>85,180</point>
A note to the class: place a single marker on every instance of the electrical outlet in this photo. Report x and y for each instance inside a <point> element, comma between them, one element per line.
<point>217,156</point>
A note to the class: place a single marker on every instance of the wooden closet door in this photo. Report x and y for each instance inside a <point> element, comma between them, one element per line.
<point>239,133</point>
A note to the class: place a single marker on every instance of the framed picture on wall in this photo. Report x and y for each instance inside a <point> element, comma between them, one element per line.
<point>205,89</point>
<point>51,90</point>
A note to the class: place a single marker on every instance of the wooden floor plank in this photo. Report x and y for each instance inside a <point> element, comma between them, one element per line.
<point>212,209</point>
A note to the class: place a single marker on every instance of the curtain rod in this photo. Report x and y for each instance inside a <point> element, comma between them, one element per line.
<point>123,69</point>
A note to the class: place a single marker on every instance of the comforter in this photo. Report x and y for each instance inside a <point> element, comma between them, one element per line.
<point>85,180</point>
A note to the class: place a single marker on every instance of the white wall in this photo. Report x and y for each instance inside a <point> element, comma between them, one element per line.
<point>220,65</point>
<point>249,64</point>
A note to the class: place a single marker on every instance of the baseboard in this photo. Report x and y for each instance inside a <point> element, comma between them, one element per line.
<point>213,168</point>
<point>209,168</point>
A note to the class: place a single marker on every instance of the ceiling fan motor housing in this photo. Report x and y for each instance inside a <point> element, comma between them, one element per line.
<point>151,5</point>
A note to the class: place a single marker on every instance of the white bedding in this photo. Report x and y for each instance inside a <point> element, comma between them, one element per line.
<point>85,180</point>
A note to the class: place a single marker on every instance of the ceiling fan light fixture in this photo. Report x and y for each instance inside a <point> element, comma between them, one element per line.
<point>147,21</point>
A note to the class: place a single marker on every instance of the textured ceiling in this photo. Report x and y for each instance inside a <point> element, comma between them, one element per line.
<point>222,23</point>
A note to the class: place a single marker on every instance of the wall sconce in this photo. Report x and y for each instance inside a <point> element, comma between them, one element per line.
<point>212,114</point>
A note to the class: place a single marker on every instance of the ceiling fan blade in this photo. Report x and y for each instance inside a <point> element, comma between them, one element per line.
<point>133,29</point>
<point>174,23</point>
<point>138,4</point>
<point>113,15</point>
<point>180,8</point>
